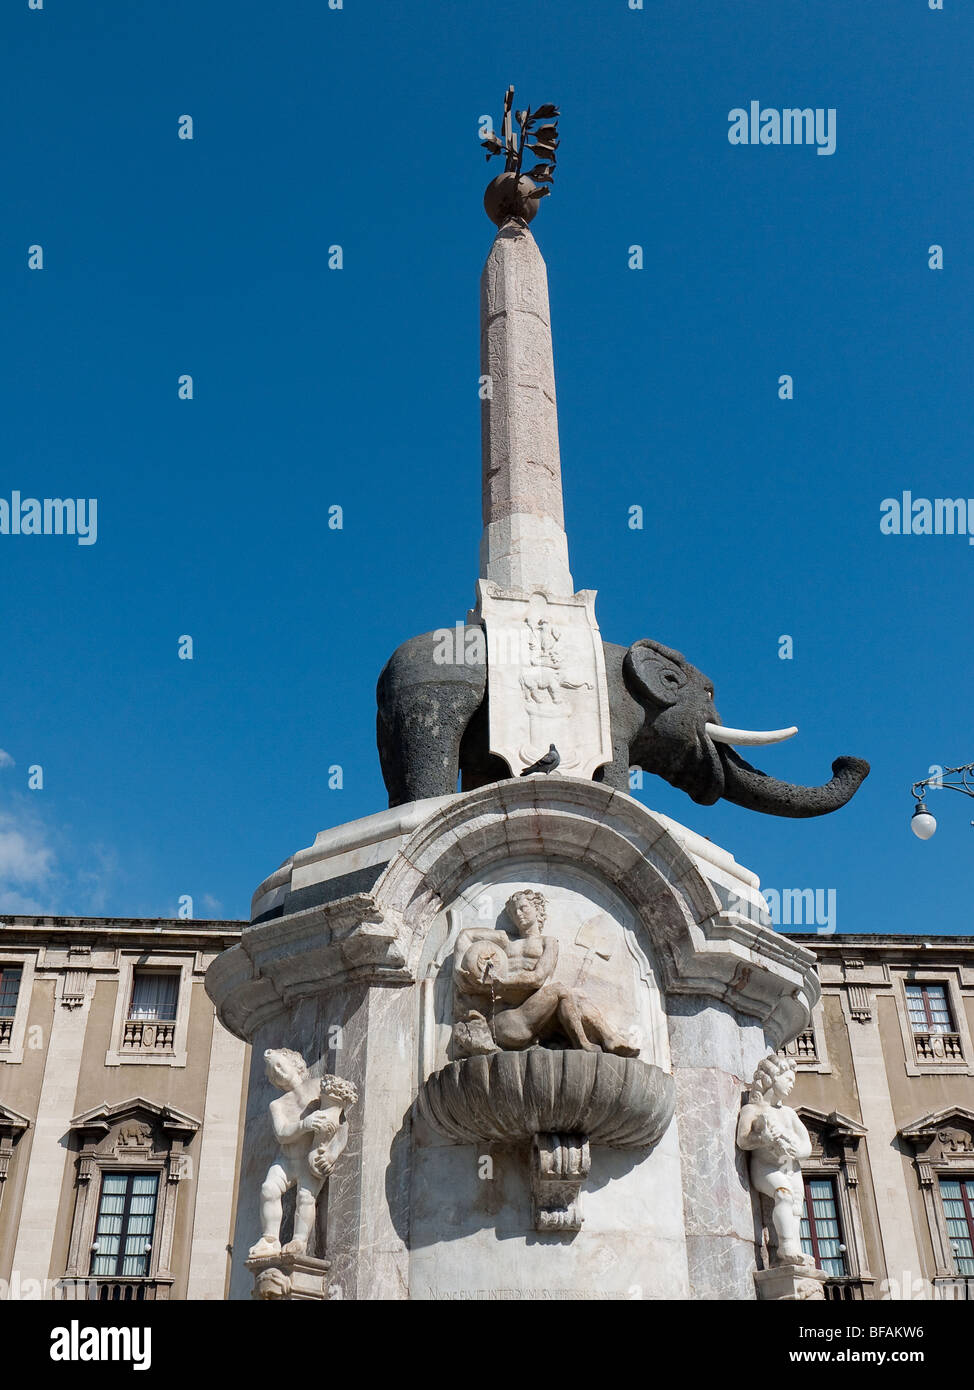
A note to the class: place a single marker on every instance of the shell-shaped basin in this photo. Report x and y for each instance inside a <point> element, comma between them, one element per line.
<point>617,1101</point>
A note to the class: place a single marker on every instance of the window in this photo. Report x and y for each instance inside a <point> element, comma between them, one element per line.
<point>151,1022</point>
<point>150,1026</point>
<point>9,993</point>
<point>929,1010</point>
<point>16,985</point>
<point>126,1217</point>
<point>820,1231</point>
<point>154,996</point>
<point>957,1195</point>
<point>9,989</point>
<point>934,1035</point>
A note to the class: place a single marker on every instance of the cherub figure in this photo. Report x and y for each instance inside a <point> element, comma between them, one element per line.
<point>777,1141</point>
<point>310,1146</point>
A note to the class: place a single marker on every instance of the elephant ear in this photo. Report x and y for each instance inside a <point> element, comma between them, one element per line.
<point>658,670</point>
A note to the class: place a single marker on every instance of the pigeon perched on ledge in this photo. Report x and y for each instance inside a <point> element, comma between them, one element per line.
<point>546,763</point>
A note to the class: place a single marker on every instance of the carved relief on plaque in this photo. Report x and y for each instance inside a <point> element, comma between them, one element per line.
<point>545,679</point>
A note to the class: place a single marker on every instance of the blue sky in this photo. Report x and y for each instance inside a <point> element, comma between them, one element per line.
<point>358,387</point>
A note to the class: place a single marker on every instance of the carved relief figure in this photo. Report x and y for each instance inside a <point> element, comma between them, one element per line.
<point>310,1145</point>
<point>507,997</point>
<point>134,1135</point>
<point>273,1284</point>
<point>543,681</point>
<point>777,1141</point>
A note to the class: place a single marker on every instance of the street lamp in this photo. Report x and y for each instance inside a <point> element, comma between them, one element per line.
<point>922,823</point>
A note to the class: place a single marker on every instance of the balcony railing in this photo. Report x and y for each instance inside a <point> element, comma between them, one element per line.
<point>938,1047</point>
<point>802,1048</point>
<point>6,1031</point>
<point>111,1289</point>
<point>146,1035</point>
<point>844,1289</point>
<point>950,1289</point>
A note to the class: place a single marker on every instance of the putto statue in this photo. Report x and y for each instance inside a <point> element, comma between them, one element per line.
<point>310,1146</point>
<point>777,1141</point>
<point>507,999</point>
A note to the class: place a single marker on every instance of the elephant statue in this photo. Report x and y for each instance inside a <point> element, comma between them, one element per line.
<point>432,728</point>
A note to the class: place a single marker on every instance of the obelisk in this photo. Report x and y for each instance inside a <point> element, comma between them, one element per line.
<point>546,686</point>
<point>524,543</point>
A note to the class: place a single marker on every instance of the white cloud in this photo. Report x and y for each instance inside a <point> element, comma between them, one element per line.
<point>25,858</point>
<point>44,868</point>
<point>5,759</point>
<point>18,903</point>
<point>213,906</point>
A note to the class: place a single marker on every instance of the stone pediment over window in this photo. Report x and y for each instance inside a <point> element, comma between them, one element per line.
<point>835,1122</point>
<point>942,1140</point>
<point>12,1121</point>
<point>12,1126</point>
<point>835,1138</point>
<point>134,1131</point>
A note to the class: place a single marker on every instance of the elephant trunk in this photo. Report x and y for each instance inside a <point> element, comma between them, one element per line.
<point>746,786</point>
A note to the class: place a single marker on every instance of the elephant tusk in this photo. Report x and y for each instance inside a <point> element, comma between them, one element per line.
<point>748,737</point>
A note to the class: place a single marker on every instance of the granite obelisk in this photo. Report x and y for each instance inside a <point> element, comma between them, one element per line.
<point>524,544</point>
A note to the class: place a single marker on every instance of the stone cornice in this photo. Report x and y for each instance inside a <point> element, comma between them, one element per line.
<point>174,934</point>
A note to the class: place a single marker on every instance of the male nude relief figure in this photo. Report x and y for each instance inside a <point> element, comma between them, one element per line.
<point>517,1002</point>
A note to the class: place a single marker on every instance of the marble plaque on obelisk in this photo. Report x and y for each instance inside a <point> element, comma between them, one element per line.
<point>546,678</point>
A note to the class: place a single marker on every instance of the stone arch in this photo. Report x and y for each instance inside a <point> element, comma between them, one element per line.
<point>693,924</point>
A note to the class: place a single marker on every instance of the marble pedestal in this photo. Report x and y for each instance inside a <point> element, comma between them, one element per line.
<point>791,1281</point>
<point>290,1278</point>
<point>349,961</point>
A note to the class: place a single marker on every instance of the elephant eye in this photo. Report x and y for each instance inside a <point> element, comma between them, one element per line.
<point>709,693</point>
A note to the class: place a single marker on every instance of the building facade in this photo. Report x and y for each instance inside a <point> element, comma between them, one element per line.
<point>122,1100</point>
<point>120,1110</point>
<point>885,1087</point>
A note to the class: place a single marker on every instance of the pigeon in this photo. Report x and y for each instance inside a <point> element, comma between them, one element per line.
<point>546,763</point>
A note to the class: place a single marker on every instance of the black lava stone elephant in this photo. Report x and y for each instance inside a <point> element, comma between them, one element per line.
<point>432,728</point>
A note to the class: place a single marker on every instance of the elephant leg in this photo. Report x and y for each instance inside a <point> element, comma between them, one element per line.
<point>616,773</point>
<point>478,766</point>
<point>425,706</point>
<point>625,719</point>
